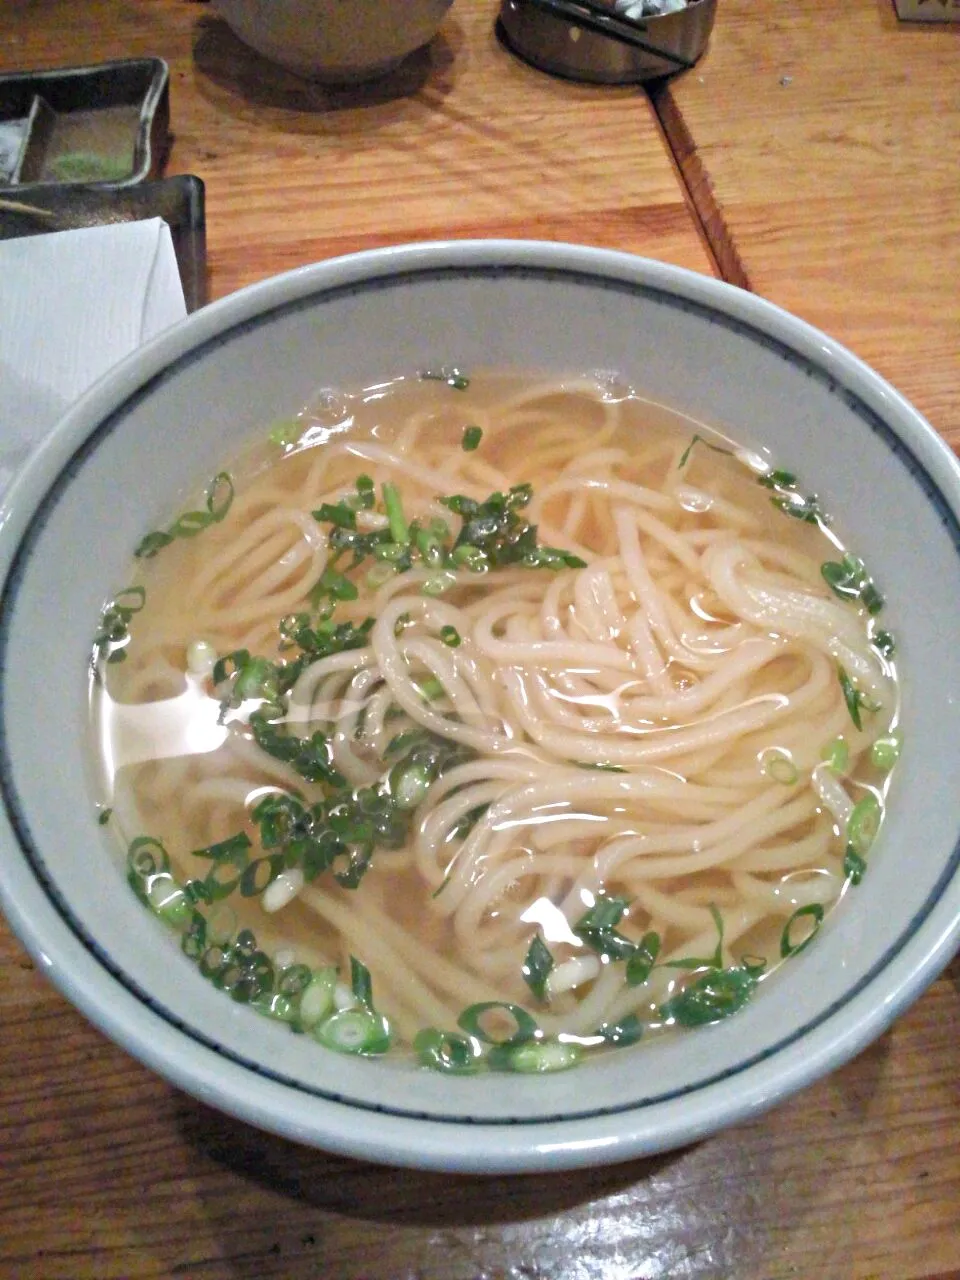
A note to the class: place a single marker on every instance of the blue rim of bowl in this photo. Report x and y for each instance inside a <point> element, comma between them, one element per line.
<point>386,280</point>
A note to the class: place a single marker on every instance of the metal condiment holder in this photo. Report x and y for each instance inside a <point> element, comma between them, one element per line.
<point>589,40</point>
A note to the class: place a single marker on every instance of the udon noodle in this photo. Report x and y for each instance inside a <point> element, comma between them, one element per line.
<point>556,787</point>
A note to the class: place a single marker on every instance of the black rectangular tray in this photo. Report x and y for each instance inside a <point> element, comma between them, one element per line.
<point>31,211</point>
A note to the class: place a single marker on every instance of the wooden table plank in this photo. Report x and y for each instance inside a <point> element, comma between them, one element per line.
<point>822,147</point>
<point>112,1175</point>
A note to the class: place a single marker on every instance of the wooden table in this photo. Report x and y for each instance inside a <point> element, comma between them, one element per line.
<point>821,145</point>
<point>106,1171</point>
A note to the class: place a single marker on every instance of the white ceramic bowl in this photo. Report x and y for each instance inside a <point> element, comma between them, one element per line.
<point>177,409</point>
<point>334,41</point>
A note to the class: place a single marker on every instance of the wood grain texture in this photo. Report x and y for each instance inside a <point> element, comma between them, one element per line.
<point>463,140</point>
<point>108,1173</point>
<point>821,145</point>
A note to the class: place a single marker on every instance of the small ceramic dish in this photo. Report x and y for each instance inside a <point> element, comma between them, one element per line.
<point>106,124</point>
<point>178,409</point>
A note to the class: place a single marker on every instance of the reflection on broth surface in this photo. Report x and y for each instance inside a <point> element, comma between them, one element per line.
<point>505,718</point>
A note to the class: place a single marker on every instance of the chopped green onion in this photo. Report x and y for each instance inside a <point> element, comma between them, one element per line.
<point>213,961</point>
<point>778,765</point>
<point>800,508</point>
<point>863,824</point>
<point>446,1051</point>
<point>539,1056</point>
<point>625,1032</point>
<point>147,857</point>
<point>338,514</point>
<point>378,575</point>
<point>852,697</point>
<point>884,643</point>
<point>472,1021</point>
<point>361,984</point>
<point>854,867</point>
<point>836,754</point>
<point>537,967</point>
<point>814,913</point>
<point>354,1031</point>
<point>451,376</point>
<point>699,439</point>
<point>193,940</point>
<point>246,976</point>
<point>410,784</point>
<point>218,499</point>
<point>871,598</point>
<point>843,577</point>
<point>597,928</point>
<point>104,816</point>
<point>294,979</point>
<point>274,1005</point>
<point>169,901</point>
<point>450,637</point>
<point>439,582</point>
<point>778,480</point>
<point>317,1001</point>
<point>113,629</point>
<point>389,552</point>
<point>333,585</point>
<point>643,959</point>
<point>429,547</point>
<point>715,995</point>
<point>885,752</point>
<point>286,432</point>
<point>399,529</point>
<point>471,438</point>
<point>471,558</point>
<point>431,689</point>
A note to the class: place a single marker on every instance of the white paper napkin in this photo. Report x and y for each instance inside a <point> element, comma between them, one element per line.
<point>72,304</point>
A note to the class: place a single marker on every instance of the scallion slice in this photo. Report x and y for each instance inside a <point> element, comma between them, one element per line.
<point>716,994</point>
<point>446,1051</point>
<point>473,1018</point>
<point>854,867</point>
<point>836,754</point>
<point>863,824</point>
<point>625,1032</point>
<point>539,1056</point>
<point>361,984</point>
<point>537,967</point>
<point>169,901</point>
<point>812,913</point>
<point>854,698</point>
<point>317,1000</point>
<point>393,506</point>
<point>354,1031</point>
<point>778,765</point>
<point>643,959</point>
<point>471,439</point>
<point>885,752</point>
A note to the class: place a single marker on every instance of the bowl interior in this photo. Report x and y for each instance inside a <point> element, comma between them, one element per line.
<point>177,411</point>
